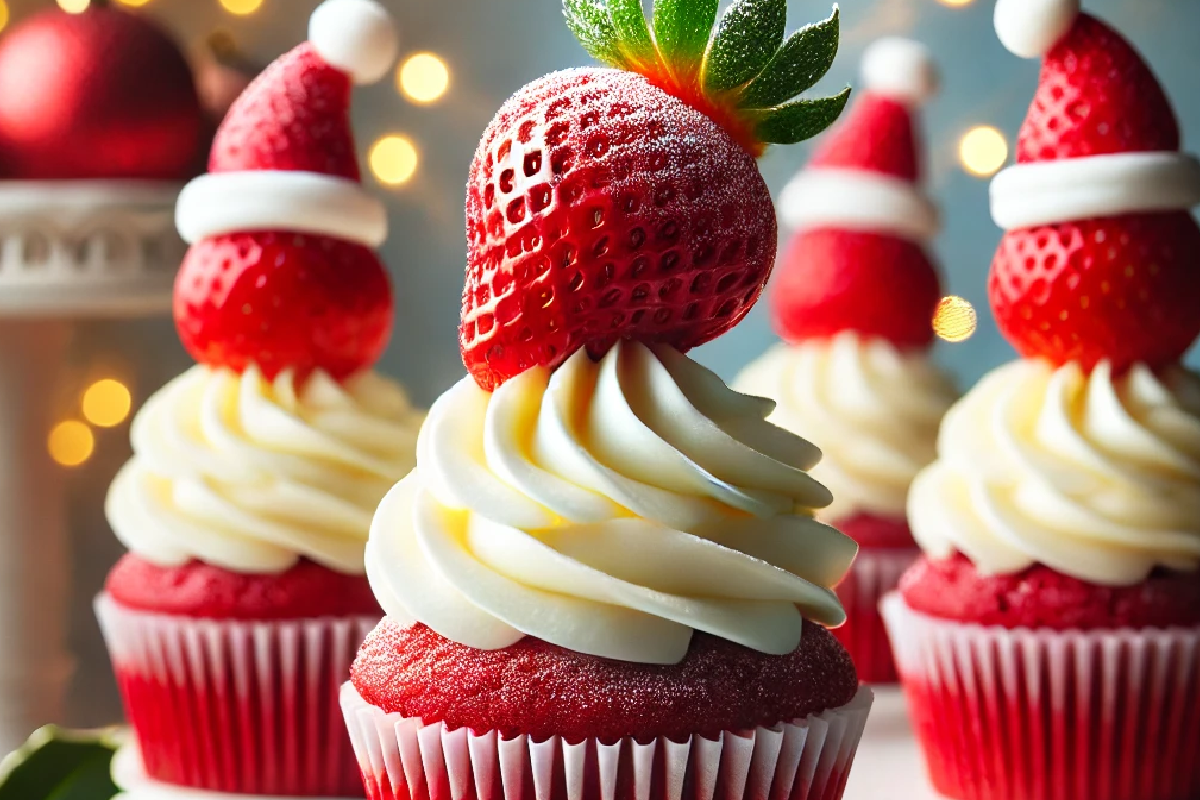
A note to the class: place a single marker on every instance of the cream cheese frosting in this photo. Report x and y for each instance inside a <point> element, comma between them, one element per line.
<point>251,475</point>
<point>1095,476</point>
<point>872,409</point>
<point>610,508</point>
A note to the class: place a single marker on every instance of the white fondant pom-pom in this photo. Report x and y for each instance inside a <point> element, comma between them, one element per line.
<point>1029,28</point>
<point>356,36</point>
<point>901,69</point>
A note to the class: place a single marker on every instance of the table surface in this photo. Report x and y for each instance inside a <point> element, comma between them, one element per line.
<point>888,763</point>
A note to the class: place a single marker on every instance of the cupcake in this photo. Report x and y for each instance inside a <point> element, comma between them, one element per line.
<point>854,303</point>
<point>604,578</point>
<point>235,616</point>
<point>1049,639</point>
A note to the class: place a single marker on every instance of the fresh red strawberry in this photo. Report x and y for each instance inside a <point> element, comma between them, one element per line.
<point>879,285</point>
<point>1125,289</point>
<point>625,203</point>
<point>1096,96</point>
<point>281,300</point>
<point>282,121</point>
<point>877,135</point>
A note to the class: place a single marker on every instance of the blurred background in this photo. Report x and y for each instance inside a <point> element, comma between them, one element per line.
<point>417,132</point>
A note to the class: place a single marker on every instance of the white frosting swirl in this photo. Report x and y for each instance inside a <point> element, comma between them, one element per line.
<point>873,410</point>
<point>1094,476</point>
<point>250,475</point>
<point>610,509</point>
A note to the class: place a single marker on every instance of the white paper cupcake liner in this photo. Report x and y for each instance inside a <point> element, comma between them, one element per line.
<point>404,759</point>
<point>875,572</point>
<point>1049,715</point>
<point>236,706</point>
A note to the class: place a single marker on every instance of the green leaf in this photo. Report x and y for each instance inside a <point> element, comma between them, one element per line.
<point>59,765</point>
<point>633,35</point>
<point>593,27</point>
<point>804,58</point>
<point>749,33</point>
<point>800,119</point>
<point>681,30</point>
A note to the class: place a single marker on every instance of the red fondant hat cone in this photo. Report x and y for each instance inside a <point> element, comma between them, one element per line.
<point>1101,259</point>
<point>281,273</point>
<point>858,261</point>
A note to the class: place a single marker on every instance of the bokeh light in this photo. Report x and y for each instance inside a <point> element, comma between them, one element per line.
<point>71,443</point>
<point>955,3</point>
<point>106,403</point>
<point>983,151</point>
<point>423,77</point>
<point>955,319</point>
<point>133,3</point>
<point>393,159</point>
<point>241,7</point>
<point>74,6</point>
<point>3,14</point>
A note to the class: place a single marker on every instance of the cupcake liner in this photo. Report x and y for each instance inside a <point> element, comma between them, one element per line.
<point>404,759</point>
<point>133,784</point>
<point>237,706</point>
<point>1047,715</point>
<point>873,574</point>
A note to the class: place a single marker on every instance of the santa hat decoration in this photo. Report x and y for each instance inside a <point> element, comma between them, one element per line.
<point>284,186</point>
<point>1100,261</point>
<point>857,261</point>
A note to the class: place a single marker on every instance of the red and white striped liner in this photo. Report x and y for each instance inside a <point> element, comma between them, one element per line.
<point>236,706</point>
<point>404,759</point>
<point>1046,715</point>
<point>875,572</point>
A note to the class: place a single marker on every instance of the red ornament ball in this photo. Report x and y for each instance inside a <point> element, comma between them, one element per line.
<point>100,94</point>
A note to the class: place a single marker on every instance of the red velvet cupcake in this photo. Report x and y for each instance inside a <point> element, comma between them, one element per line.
<point>854,303</point>
<point>246,505</point>
<point>604,578</point>
<point>1049,644</point>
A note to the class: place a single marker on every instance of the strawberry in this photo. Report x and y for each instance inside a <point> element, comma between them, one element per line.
<point>626,203</point>
<point>1125,289</point>
<point>879,285</point>
<point>281,121</point>
<point>281,300</point>
<point>876,135</point>
<point>1096,96</point>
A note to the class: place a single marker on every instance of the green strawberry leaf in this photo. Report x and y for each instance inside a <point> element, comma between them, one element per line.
<point>59,765</point>
<point>800,119</point>
<point>633,35</point>
<point>749,33</point>
<point>593,27</point>
<point>681,30</point>
<point>804,58</point>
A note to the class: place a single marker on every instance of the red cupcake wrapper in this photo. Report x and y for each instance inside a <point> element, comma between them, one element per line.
<point>1046,715</point>
<point>874,574</point>
<point>404,759</point>
<point>236,706</point>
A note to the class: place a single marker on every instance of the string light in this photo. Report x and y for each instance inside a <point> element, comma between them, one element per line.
<point>393,159</point>
<point>74,6</point>
<point>241,7</point>
<point>106,403</point>
<point>983,151</point>
<point>955,319</point>
<point>71,443</point>
<point>423,77</point>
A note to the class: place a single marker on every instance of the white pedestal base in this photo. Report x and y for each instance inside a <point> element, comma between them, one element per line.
<point>135,785</point>
<point>889,763</point>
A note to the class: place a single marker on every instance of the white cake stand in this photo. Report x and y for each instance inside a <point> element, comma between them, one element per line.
<point>68,250</point>
<point>889,763</point>
<point>131,778</point>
